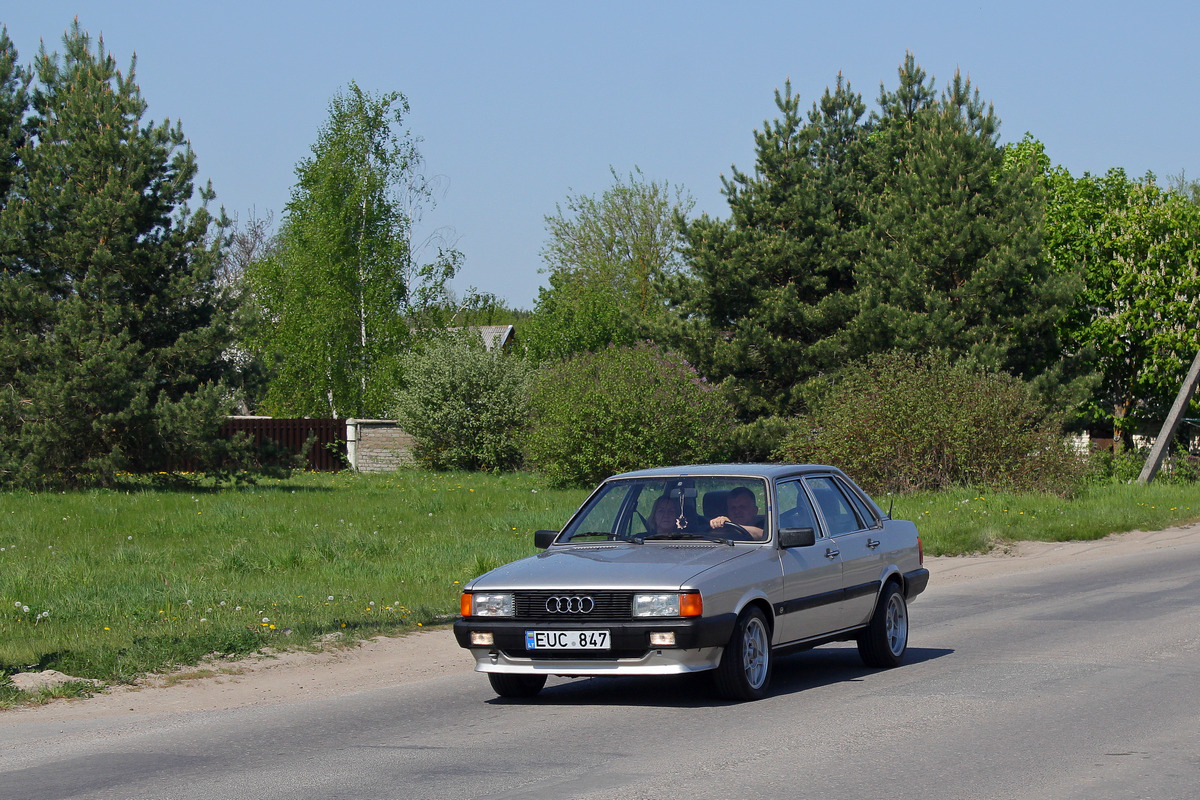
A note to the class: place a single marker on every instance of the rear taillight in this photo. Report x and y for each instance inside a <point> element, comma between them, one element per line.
<point>920,551</point>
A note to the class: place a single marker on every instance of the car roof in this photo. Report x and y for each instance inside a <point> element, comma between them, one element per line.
<point>770,471</point>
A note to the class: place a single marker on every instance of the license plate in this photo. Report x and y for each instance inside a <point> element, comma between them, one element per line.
<point>566,640</point>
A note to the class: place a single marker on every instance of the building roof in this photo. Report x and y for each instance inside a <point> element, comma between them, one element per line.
<point>495,337</point>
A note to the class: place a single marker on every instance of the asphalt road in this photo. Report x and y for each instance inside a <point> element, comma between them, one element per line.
<point>1079,681</point>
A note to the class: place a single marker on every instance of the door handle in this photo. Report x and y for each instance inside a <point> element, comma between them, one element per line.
<point>873,543</point>
<point>832,552</point>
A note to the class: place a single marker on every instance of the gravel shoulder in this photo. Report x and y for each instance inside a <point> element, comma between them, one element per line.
<point>296,676</point>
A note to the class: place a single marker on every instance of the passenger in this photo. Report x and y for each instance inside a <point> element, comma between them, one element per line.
<point>666,517</point>
<point>742,509</point>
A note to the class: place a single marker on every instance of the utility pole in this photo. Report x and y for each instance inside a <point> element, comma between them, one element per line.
<point>1171,423</point>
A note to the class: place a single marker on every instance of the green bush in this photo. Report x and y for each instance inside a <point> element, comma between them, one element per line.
<point>755,441</point>
<point>465,406</point>
<point>620,409</point>
<point>901,424</point>
<point>1125,466</point>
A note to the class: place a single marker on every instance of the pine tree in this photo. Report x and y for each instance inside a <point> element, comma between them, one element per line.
<point>14,102</point>
<point>768,287</point>
<point>114,329</point>
<point>952,255</point>
<point>900,232</point>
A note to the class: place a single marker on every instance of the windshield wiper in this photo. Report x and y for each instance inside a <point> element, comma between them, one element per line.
<point>608,535</point>
<point>708,537</point>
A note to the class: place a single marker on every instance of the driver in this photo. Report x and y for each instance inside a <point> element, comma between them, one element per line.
<point>742,509</point>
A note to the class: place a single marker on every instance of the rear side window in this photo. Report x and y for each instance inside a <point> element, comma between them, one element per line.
<point>839,514</point>
<point>864,512</point>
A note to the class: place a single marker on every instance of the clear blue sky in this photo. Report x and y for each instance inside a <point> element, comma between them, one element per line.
<point>519,103</point>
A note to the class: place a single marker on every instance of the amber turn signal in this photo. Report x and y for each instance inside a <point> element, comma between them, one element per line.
<point>691,605</point>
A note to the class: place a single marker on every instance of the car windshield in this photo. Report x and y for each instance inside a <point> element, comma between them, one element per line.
<point>725,508</point>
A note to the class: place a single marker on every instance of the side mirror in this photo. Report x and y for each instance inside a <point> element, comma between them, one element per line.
<point>543,539</point>
<point>797,537</point>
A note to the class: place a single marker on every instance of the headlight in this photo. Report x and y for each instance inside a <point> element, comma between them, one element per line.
<point>487,605</point>
<point>668,604</point>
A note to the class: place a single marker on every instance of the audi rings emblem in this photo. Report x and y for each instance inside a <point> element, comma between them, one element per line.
<point>570,605</point>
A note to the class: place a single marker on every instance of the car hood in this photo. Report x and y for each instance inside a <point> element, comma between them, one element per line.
<point>622,566</point>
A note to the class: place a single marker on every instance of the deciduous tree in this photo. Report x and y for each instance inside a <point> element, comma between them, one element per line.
<point>1137,247</point>
<point>607,258</point>
<point>340,294</point>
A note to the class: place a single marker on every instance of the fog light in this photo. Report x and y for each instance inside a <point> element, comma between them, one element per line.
<point>482,639</point>
<point>662,638</point>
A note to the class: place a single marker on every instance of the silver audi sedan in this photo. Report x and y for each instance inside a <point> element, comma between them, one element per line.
<point>716,567</point>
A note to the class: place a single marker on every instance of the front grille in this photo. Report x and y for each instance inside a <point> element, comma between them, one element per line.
<point>607,606</point>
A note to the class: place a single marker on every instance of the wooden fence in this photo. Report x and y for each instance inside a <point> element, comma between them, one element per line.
<point>328,452</point>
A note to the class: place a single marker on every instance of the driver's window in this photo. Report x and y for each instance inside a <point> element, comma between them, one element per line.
<point>795,509</point>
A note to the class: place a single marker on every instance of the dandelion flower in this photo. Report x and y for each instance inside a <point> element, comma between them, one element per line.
<point>329,598</point>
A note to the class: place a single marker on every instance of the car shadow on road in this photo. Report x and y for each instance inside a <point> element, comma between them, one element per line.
<point>791,674</point>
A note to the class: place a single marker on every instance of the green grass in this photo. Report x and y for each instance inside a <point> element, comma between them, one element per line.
<point>132,582</point>
<point>121,583</point>
<point>964,521</point>
<point>11,696</point>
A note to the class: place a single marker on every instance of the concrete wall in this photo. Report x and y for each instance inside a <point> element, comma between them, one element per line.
<point>377,445</point>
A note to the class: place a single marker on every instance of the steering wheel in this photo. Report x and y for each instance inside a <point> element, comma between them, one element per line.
<point>738,528</point>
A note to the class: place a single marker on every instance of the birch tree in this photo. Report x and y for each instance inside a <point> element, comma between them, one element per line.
<point>338,294</point>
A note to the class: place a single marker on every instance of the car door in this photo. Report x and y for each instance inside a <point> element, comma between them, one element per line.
<point>856,532</point>
<point>812,576</point>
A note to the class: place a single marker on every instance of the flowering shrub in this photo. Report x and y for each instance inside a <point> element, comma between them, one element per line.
<point>898,423</point>
<point>620,409</point>
<point>464,405</point>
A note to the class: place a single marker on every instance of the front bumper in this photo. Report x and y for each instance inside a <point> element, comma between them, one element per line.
<point>698,646</point>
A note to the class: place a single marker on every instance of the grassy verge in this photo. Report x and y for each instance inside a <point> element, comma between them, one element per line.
<point>963,521</point>
<point>110,585</point>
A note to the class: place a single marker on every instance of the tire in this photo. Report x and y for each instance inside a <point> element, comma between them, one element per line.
<point>745,669</point>
<point>507,685</point>
<point>885,639</point>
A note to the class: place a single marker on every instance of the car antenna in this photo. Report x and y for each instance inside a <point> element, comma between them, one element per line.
<point>891,503</point>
